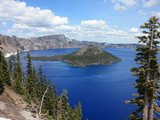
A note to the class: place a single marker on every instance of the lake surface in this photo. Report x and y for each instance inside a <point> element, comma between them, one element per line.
<point>101,89</point>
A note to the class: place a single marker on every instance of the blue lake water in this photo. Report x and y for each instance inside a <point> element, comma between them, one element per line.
<point>101,89</point>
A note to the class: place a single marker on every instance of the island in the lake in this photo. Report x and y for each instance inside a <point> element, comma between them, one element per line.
<point>88,55</point>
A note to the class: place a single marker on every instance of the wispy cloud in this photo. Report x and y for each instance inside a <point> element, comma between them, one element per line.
<point>4,23</point>
<point>142,12</point>
<point>150,3</point>
<point>134,30</point>
<point>155,13</point>
<point>119,7</point>
<point>123,5</point>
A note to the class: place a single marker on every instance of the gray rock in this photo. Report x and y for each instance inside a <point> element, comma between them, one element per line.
<point>12,43</point>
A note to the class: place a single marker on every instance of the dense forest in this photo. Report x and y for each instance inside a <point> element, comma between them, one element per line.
<point>34,88</point>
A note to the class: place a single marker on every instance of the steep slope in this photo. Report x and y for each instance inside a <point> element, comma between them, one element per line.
<point>88,55</point>
<point>12,43</point>
<point>13,107</point>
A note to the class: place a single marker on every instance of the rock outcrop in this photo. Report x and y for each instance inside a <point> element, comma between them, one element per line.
<point>13,107</point>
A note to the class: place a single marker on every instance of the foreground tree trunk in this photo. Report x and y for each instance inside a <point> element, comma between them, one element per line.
<point>145,109</point>
<point>151,110</point>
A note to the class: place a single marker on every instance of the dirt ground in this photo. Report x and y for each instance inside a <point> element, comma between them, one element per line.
<point>13,107</point>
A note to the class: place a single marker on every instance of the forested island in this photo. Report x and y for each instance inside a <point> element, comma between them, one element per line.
<point>88,55</point>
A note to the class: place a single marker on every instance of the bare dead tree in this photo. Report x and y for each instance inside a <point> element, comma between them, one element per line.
<point>42,101</point>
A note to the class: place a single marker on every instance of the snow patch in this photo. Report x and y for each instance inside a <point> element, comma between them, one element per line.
<point>4,118</point>
<point>9,54</point>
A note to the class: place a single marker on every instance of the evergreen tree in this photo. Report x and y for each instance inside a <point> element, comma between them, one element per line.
<point>79,111</point>
<point>18,72</point>
<point>49,99</point>
<point>55,101</point>
<point>148,71</point>
<point>30,82</point>
<point>11,61</point>
<point>5,75</point>
<point>1,79</point>
<point>40,81</point>
<point>75,113</point>
<point>43,84</point>
<point>65,106</point>
<point>1,71</point>
<point>36,84</point>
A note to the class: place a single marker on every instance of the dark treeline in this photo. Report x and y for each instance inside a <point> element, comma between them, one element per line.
<point>34,88</point>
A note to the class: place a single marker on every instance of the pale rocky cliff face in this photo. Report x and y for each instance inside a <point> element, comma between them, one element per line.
<point>11,44</point>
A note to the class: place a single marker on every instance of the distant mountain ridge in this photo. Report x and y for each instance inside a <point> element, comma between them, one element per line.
<point>12,43</point>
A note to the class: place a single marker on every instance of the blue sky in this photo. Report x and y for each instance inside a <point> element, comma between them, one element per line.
<point>110,21</point>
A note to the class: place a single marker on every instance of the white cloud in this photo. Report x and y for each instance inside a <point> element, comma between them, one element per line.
<point>150,3</point>
<point>31,22</point>
<point>142,12</point>
<point>98,30</point>
<point>134,30</point>
<point>115,26</point>
<point>155,13</point>
<point>20,13</point>
<point>93,23</point>
<point>119,7</point>
<point>91,30</point>
<point>104,1</point>
<point>127,3</point>
<point>4,23</point>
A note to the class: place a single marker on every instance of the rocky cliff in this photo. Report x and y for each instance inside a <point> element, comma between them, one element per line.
<point>12,43</point>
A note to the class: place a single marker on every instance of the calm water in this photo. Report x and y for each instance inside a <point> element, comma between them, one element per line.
<point>101,90</point>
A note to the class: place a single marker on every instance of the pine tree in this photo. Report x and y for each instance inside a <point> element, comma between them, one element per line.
<point>11,61</point>
<point>18,72</point>
<point>5,75</point>
<point>55,101</point>
<point>1,80</point>
<point>49,99</point>
<point>79,111</point>
<point>1,71</point>
<point>36,84</point>
<point>148,71</point>
<point>44,84</point>
<point>30,82</point>
<point>40,81</point>
<point>75,113</point>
